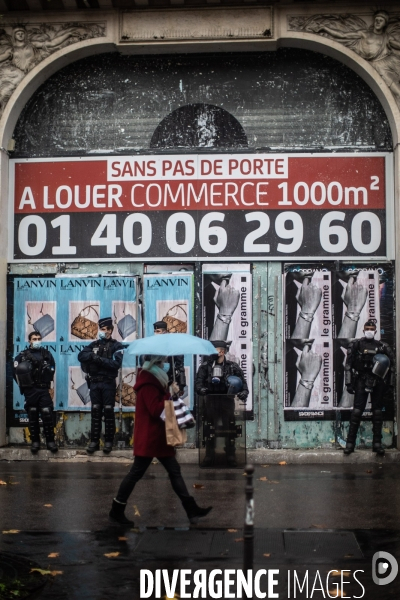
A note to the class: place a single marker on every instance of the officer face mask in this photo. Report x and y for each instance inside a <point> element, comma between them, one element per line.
<point>166,367</point>
<point>369,334</point>
<point>37,344</point>
<point>102,335</point>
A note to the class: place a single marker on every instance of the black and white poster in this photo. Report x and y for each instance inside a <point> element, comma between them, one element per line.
<point>227,314</point>
<point>325,308</point>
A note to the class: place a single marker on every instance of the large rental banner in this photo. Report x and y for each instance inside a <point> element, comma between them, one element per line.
<point>65,311</point>
<point>241,206</point>
<point>227,315</point>
<point>325,309</point>
<point>169,297</point>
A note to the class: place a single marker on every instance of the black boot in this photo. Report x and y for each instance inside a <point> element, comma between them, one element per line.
<point>193,511</point>
<point>109,429</point>
<point>377,422</point>
<point>34,429</point>
<point>117,513</point>
<point>230,452</point>
<point>48,427</point>
<point>96,429</point>
<point>355,420</point>
<point>209,459</point>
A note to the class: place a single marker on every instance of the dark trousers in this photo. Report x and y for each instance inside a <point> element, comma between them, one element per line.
<point>361,396</point>
<point>102,395</point>
<point>103,392</point>
<point>36,397</point>
<point>139,468</point>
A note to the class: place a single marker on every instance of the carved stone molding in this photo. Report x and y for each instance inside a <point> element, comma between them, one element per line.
<point>374,37</point>
<point>196,24</point>
<point>24,46</point>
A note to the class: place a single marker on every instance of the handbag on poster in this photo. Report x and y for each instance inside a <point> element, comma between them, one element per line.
<point>44,325</point>
<point>82,391</point>
<point>126,325</point>
<point>128,394</point>
<point>175,436</point>
<point>85,328</point>
<point>175,325</point>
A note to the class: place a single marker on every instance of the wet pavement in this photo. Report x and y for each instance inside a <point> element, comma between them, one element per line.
<point>313,518</point>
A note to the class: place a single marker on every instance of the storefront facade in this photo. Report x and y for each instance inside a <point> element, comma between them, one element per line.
<point>259,155</point>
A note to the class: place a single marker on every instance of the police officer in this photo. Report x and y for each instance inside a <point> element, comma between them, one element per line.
<point>217,375</point>
<point>34,370</point>
<point>368,369</point>
<point>176,371</point>
<point>101,360</point>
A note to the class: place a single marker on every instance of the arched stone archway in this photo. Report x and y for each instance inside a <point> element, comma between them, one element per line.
<point>66,56</point>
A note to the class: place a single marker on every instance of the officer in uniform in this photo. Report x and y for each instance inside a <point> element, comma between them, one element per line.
<point>176,372</point>
<point>217,375</point>
<point>34,370</point>
<point>101,360</point>
<point>368,370</point>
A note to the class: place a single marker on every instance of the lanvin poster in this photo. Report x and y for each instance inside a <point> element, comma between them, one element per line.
<point>65,311</point>
<point>169,297</point>
<point>325,308</point>
<point>227,315</point>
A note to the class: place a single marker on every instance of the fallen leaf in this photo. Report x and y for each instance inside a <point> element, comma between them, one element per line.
<point>335,573</point>
<point>267,554</point>
<point>272,481</point>
<point>239,540</point>
<point>319,526</point>
<point>12,531</point>
<point>171,597</point>
<point>232,530</point>
<point>112,554</point>
<point>48,505</point>
<point>348,555</point>
<point>337,593</point>
<point>46,572</point>
<point>13,483</point>
<point>264,466</point>
<point>283,462</point>
<point>198,486</point>
<point>136,513</point>
<point>3,482</point>
<point>263,479</point>
<point>122,539</point>
<point>53,555</point>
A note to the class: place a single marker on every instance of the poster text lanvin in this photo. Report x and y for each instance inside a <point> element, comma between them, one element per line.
<point>263,583</point>
<point>65,311</point>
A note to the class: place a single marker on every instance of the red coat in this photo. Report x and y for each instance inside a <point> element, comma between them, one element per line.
<point>149,437</point>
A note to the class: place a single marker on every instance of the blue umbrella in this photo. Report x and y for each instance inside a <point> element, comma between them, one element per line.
<point>171,344</point>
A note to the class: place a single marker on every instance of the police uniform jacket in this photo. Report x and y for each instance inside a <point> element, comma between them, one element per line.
<point>106,362</point>
<point>43,366</point>
<point>360,353</point>
<point>204,376</point>
<point>149,435</point>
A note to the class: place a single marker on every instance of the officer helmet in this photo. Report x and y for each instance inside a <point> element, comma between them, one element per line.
<point>381,365</point>
<point>23,373</point>
<point>235,384</point>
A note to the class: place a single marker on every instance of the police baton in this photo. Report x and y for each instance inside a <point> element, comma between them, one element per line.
<point>248,530</point>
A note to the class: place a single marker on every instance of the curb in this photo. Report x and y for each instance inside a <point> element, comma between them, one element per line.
<point>191,456</point>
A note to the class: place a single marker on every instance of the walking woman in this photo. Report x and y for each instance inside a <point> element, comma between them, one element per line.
<point>150,440</point>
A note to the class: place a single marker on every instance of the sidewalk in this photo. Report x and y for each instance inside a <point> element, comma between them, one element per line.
<point>307,518</point>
